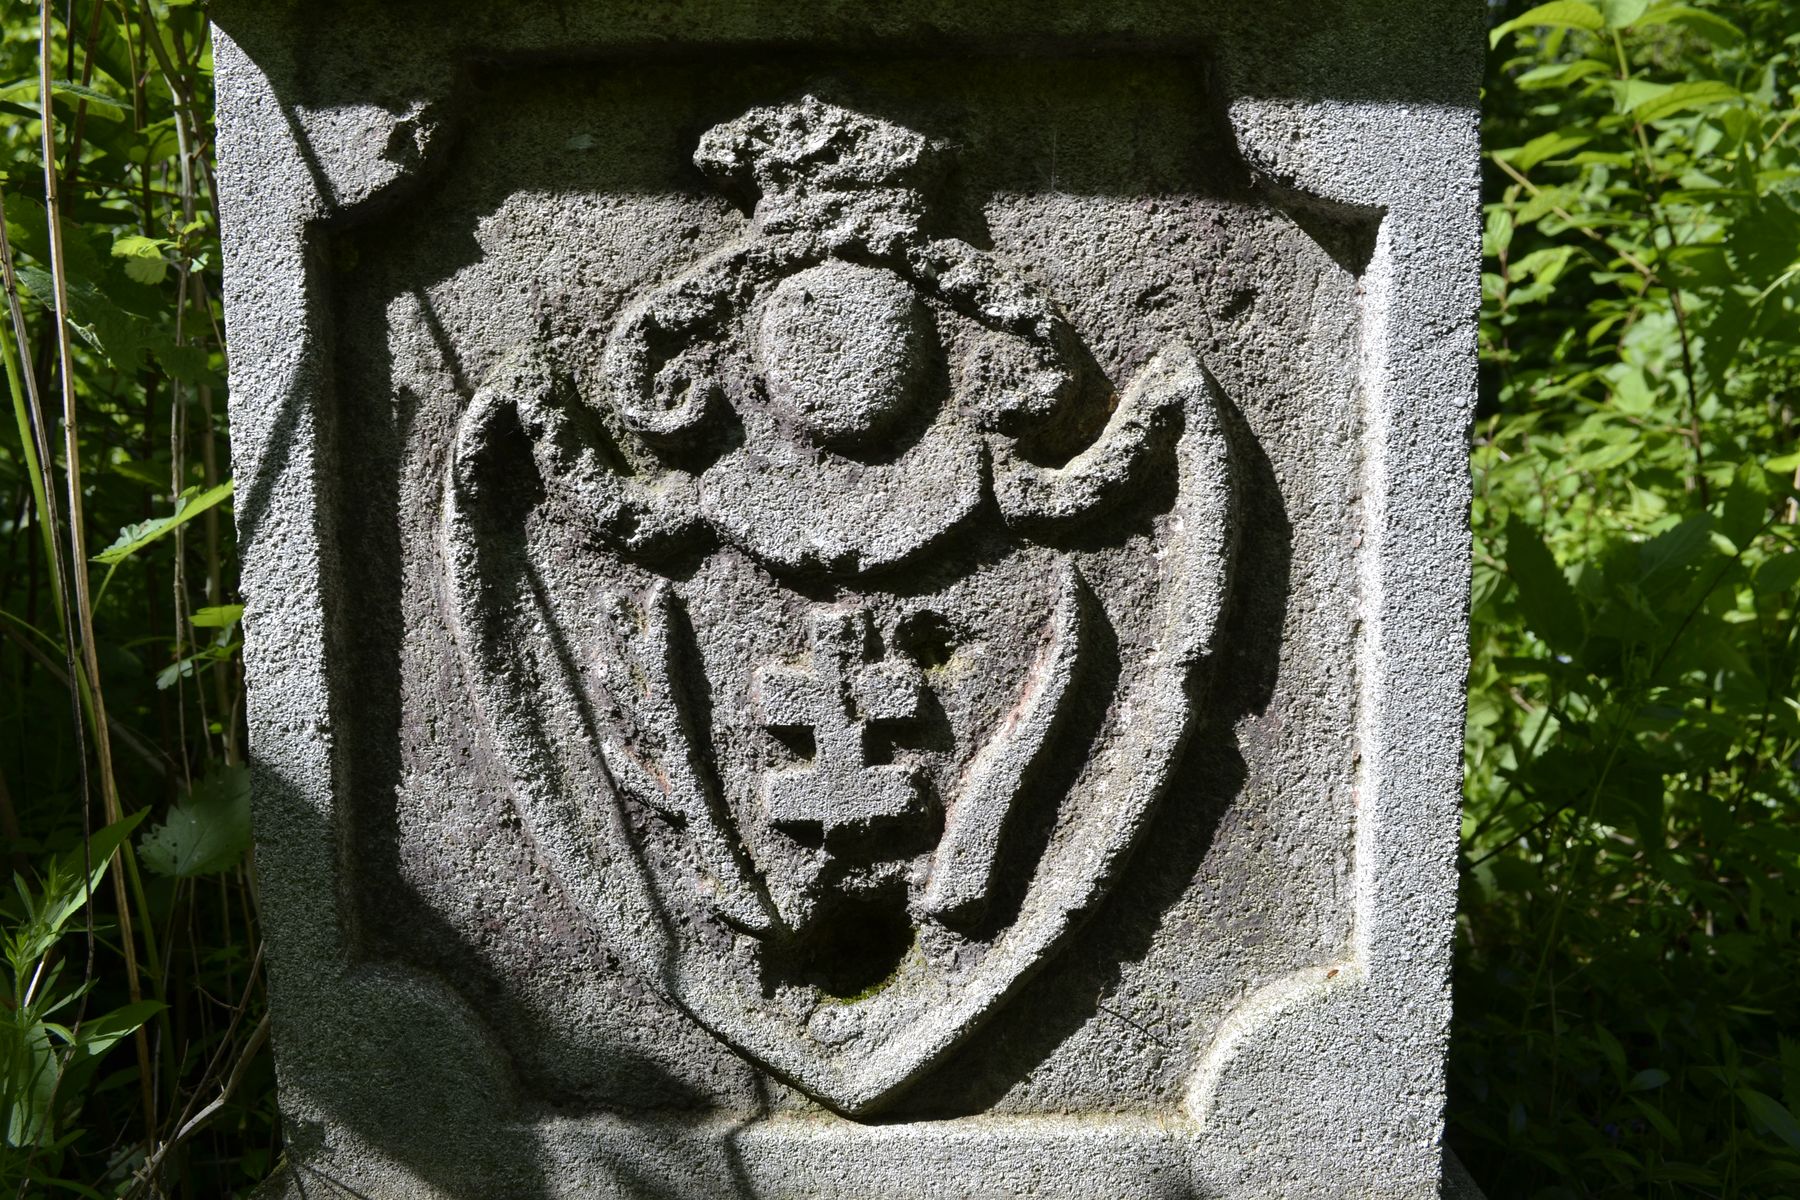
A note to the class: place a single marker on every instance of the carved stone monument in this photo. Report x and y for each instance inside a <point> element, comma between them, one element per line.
<point>854,601</point>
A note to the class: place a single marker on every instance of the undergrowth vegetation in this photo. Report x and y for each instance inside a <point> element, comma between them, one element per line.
<point>1628,1022</point>
<point>1628,1015</point>
<point>132,1028</point>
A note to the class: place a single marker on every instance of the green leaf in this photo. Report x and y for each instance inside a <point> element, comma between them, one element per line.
<point>1680,98</point>
<point>191,364</point>
<point>206,833</point>
<point>1709,25</point>
<point>1674,549</point>
<point>1497,233</point>
<point>1662,1124</point>
<point>60,904</point>
<point>1559,14</point>
<point>29,89</point>
<point>1544,265</point>
<point>1621,13</point>
<point>133,538</point>
<point>1599,158</point>
<point>1780,575</point>
<point>1559,74</point>
<point>144,261</point>
<point>1607,455</point>
<point>186,668</point>
<point>1610,1047</point>
<point>218,616</point>
<point>28,1082</point>
<point>1545,597</point>
<point>105,841</point>
<point>1630,93</point>
<point>121,336</point>
<point>1746,507</point>
<point>1547,145</point>
<point>101,1033</point>
<point>1647,1080</point>
<point>94,97</point>
<point>1771,1114</point>
<point>1785,464</point>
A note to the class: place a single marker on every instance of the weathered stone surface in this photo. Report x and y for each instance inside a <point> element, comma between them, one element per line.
<point>854,604</point>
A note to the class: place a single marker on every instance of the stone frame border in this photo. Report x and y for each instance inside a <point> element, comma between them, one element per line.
<point>1308,1074</point>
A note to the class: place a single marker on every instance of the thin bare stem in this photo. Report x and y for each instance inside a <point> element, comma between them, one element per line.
<point>82,601</point>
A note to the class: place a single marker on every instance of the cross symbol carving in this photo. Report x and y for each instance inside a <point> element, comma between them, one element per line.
<point>848,692</point>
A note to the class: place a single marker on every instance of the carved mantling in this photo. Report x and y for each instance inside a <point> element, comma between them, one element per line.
<point>719,587</point>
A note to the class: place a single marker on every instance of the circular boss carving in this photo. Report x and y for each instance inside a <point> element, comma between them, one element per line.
<point>841,349</point>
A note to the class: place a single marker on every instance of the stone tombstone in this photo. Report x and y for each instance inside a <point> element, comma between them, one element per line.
<point>854,600</point>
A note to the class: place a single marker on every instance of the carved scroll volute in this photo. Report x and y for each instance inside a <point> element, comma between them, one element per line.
<point>807,701</point>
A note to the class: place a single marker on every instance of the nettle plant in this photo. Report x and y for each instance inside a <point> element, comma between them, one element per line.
<point>50,1044</point>
<point>1627,1013</point>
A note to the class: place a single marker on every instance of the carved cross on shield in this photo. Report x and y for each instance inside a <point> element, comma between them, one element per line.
<point>841,798</point>
<point>837,616</point>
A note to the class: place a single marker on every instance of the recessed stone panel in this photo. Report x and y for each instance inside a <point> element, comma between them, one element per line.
<point>870,610</point>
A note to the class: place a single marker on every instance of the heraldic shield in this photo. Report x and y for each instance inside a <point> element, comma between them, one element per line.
<point>839,621</point>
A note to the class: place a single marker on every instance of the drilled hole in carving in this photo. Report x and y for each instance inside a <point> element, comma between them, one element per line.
<point>927,638</point>
<point>850,951</point>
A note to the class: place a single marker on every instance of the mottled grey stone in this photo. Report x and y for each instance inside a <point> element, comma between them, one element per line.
<point>854,601</point>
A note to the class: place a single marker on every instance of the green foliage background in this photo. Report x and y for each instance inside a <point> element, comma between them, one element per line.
<point>1627,1011</point>
<point>132,1028</point>
<point>1627,1017</point>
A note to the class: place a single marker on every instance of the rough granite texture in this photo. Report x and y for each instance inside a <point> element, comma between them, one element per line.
<point>852,602</point>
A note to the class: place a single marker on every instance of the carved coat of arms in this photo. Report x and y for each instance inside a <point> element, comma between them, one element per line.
<point>838,619</point>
